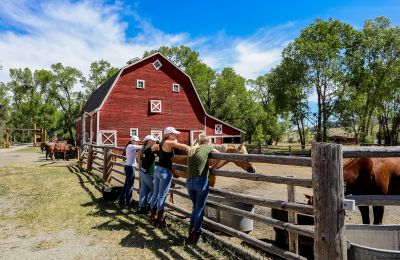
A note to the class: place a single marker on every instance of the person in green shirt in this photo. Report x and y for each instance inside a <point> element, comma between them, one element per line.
<point>197,182</point>
<point>146,170</point>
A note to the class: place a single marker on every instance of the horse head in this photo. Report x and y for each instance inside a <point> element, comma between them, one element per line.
<point>247,166</point>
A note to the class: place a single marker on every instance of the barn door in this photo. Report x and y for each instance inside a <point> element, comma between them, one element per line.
<point>107,137</point>
<point>194,134</point>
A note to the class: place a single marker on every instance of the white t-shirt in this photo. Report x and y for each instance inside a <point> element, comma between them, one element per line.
<point>131,150</point>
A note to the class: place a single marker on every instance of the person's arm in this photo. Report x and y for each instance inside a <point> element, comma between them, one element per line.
<point>179,146</point>
<point>219,163</point>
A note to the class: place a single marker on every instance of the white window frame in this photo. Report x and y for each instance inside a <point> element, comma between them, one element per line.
<point>156,133</point>
<point>137,83</point>
<point>153,106</point>
<point>104,133</point>
<point>173,87</point>
<point>133,129</point>
<point>218,129</point>
<point>157,62</point>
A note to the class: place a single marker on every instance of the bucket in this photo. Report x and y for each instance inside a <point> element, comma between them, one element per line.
<point>228,219</point>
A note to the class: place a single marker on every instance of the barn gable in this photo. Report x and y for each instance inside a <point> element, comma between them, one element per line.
<point>121,107</point>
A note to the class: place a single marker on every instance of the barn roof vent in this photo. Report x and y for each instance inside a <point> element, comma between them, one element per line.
<point>131,61</point>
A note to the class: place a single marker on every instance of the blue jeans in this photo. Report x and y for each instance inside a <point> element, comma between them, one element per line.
<point>126,193</point>
<point>161,185</point>
<point>198,192</point>
<point>146,188</point>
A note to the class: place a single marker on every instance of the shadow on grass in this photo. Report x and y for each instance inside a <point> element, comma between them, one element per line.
<point>163,244</point>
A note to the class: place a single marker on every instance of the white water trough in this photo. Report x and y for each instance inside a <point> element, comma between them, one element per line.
<point>370,242</point>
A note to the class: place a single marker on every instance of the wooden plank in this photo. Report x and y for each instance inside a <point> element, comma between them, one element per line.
<point>117,179</point>
<point>256,176</point>
<point>375,200</point>
<point>292,237</point>
<point>302,230</point>
<point>118,156</point>
<point>250,199</point>
<point>117,163</point>
<point>97,163</point>
<point>275,159</point>
<point>98,157</point>
<point>327,172</point>
<point>268,247</point>
<point>356,152</point>
<point>118,171</point>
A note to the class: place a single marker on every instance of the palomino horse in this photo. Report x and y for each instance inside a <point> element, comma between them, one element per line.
<point>224,148</point>
<point>370,176</point>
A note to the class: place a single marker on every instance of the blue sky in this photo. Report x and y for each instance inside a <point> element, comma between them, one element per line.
<point>246,35</point>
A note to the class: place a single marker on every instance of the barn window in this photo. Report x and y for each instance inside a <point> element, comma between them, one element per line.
<point>157,134</point>
<point>218,129</point>
<point>175,87</point>
<point>155,106</point>
<point>157,64</point>
<point>140,83</point>
<point>133,131</point>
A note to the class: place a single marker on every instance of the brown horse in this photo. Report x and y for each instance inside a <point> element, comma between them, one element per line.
<point>372,176</point>
<point>225,148</point>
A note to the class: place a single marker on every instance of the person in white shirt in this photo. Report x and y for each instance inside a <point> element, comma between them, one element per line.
<point>133,146</point>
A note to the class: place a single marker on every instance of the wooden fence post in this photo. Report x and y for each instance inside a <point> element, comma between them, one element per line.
<point>89,159</point>
<point>7,142</point>
<point>106,164</point>
<point>327,173</point>
<point>34,134</point>
<point>292,237</point>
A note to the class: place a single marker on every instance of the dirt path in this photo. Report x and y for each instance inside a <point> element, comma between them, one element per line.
<point>12,155</point>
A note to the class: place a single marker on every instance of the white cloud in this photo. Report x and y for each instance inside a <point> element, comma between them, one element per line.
<point>72,33</point>
<point>77,33</point>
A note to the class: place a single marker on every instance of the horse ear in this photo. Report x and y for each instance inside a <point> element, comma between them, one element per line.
<point>308,196</point>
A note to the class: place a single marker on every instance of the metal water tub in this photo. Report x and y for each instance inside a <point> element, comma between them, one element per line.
<point>373,242</point>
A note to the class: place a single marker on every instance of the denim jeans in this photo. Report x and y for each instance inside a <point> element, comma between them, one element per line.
<point>146,188</point>
<point>126,192</point>
<point>161,185</point>
<point>198,191</point>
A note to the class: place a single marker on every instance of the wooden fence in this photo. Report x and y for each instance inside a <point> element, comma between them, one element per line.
<point>327,184</point>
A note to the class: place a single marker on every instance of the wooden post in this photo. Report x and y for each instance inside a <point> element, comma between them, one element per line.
<point>259,147</point>
<point>45,135</point>
<point>292,218</point>
<point>34,134</point>
<point>7,142</point>
<point>89,159</point>
<point>107,164</point>
<point>290,150</point>
<point>83,129</point>
<point>327,173</point>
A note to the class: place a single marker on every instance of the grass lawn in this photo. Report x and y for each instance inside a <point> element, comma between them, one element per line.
<point>55,210</point>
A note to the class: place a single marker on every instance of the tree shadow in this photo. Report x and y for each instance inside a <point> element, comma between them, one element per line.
<point>142,234</point>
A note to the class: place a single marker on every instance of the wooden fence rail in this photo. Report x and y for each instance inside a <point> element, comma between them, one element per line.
<point>327,183</point>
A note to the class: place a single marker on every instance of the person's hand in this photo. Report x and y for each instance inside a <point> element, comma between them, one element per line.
<point>155,147</point>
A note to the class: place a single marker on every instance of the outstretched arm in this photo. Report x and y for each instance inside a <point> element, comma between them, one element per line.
<point>219,163</point>
<point>179,146</point>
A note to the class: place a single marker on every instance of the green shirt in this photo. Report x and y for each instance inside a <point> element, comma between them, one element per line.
<point>147,163</point>
<point>198,162</point>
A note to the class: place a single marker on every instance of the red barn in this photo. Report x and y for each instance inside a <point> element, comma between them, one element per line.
<point>143,98</point>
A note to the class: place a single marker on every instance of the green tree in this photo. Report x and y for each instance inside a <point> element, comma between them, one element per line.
<point>290,91</point>
<point>4,110</point>
<point>372,61</point>
<point>62,88</point>
<point>100,71</point>
<point>320,49</point>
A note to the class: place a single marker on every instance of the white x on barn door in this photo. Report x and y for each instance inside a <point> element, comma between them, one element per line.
<point>107,137</point>
<point>155,106</point>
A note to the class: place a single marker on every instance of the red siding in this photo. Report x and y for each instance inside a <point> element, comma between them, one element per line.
<point>128,107</point>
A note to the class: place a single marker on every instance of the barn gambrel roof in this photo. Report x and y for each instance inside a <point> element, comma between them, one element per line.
<point>99,96</point>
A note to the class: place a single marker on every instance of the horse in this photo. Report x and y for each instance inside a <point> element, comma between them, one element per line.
<point>372,176</point>
<point>224,148</point>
